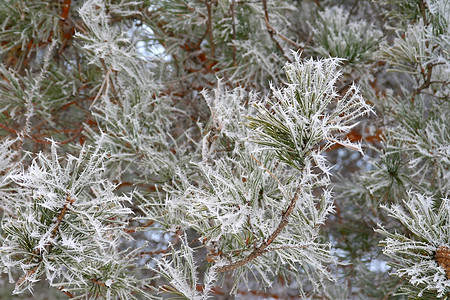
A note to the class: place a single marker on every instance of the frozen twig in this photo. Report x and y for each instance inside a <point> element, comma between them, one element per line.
<point>260,250</point>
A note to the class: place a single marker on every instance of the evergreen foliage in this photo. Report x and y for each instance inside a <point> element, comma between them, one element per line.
<point>203,149</point>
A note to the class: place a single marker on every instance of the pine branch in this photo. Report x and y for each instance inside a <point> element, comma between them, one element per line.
<point>260,250</point>
<point>59,219</point>
<point>61,215</point>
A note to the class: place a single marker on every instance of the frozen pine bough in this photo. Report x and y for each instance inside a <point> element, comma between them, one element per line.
<point>257,209</point>
<point>64,222</point>
<point>129,170</point>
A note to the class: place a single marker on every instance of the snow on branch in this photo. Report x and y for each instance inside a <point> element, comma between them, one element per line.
<point>415,256</point>
<point>305,118</point>
<point>65,222</point>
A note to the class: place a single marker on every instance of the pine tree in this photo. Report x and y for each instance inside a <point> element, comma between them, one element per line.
<point>210,148</point>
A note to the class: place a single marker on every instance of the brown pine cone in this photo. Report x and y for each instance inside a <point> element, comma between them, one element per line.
<point>443,259</point>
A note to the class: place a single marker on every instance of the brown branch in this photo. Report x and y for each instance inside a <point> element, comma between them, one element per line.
<point>283,37</point>
<point>153,253</point>
<point>271,30</point>
<point>317,2</point>
<point>61,215</point>
<point>352,11</point>
<point>132,230</point>
<point>26,275</point>
<point>110,80</point>
<point>77,133</point>
<point>267,170</point>
<point>13,131</point>
<point>65,9</point>
<point>263,247</point>
<point>422,6</point>
<point>98,282</point>
<point>209,29</point>
<point>426,74</point>
<point>66,25</point>
<point>61,289</point>
<point>233,27</point>
<point>266,11</point>
<point>105,83</point>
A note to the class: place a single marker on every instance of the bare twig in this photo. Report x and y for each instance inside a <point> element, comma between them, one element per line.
<point>270,29</point>
<point>317,2</point>
<point>352,11</point>
<point>11,130</point>
<point>131,230</point>
<point>61,215</point>
<point>426,74</point>
<point>36,252</point>
<point>76,134</point>
<point>273,31</point>
<point>267,170</point>
<point>98,282</point>
<point>233,27</point>
<point>26,275</point>
<point>153,253</point>
<point>283,37</point>
<point>103,87</point>
<point>61,288</point>
<point>209,29</point>
<point>423,6</point>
